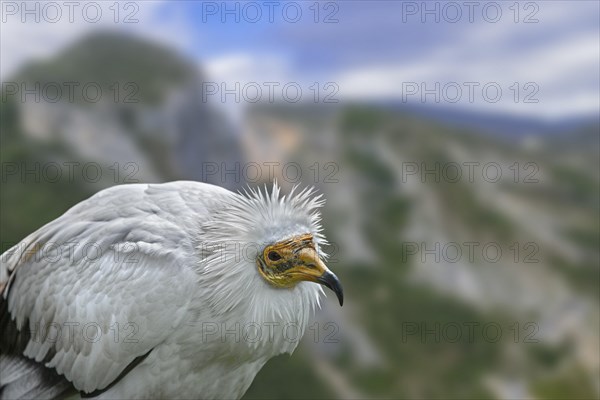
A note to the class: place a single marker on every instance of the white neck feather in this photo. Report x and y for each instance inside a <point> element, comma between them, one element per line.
<point>230,284</point>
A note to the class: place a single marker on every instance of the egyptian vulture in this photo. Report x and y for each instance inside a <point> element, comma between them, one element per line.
<point>175,290</point>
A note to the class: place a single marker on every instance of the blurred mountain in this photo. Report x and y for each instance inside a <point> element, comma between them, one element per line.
<point>507,126</point>
<point>121,99</point>
<point>400,212</point>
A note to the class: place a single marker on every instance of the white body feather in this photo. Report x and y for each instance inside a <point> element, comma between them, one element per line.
<point>166,270</point>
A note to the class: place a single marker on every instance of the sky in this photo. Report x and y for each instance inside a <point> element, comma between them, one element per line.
<point>528,58</point>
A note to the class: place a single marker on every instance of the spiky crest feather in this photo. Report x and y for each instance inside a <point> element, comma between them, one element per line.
<point>233,239</point>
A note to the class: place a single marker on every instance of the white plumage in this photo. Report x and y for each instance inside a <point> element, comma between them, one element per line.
<point>154,290</point>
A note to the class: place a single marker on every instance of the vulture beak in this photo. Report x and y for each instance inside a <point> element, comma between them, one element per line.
<point>314,270</point>
<point>331,281</point>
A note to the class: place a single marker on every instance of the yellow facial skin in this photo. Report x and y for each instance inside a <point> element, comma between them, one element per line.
<point>284,264</point>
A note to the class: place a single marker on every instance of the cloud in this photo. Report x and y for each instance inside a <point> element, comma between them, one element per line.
<point>239,70</point>
<point>247,67</point>
<point>564,72</point>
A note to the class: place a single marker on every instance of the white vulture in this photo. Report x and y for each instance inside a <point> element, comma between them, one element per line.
<point>175,290</point>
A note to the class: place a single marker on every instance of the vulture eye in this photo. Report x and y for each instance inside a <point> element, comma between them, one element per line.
<point>274,256</point>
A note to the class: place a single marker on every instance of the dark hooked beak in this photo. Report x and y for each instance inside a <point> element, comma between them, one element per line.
<point>331,281</point>
<point>312,268</point>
